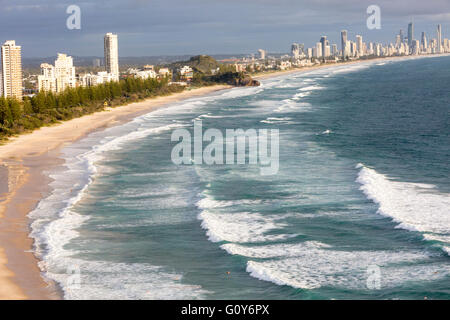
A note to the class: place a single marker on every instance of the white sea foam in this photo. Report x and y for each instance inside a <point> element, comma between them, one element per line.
<point>272,251</point>
<point>241,92</point>
<point>290,105</point>
<point>415,206</point>
<point>209,203</point>
<point>328,268</point>
<point>241,227</point>
<point>311,88</point>
<point>55,223</point>
<point>312,264</point>
<point>272,120</point>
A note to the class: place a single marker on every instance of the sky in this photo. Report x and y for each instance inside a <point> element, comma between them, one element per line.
<point>178,27</point>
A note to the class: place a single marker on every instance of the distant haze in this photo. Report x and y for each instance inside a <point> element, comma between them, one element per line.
<point>182,27</point>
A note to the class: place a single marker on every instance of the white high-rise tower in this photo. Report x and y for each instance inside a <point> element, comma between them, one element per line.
<point>11,79</point>
<point>112,55</point>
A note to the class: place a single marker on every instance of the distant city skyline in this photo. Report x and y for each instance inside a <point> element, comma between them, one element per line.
<point>175,27</point>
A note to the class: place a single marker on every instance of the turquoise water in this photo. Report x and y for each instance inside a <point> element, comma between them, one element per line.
<point>363,185</point>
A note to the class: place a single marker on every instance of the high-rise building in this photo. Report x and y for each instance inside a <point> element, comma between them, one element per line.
<point>359,45</point>
<point>11,80</point>
<point>344,38</point>
<point>415,47</point>
<point>112,54</point>
<point>47,78</point>
<point>59,77</point>
<point>397,41</point>
<point>334,50</point>
<point>64,72</point>
<point>439,39</point>
<point>410,34</point>
<point>262,54</point>
<point>424,42</point>
<point>324,42</point>
<point>401,36</point>
<point>295,50</point>
<point>319,50</point>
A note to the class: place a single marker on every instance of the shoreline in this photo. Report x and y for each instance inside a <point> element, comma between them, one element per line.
<point>26,158</point>
<point>24,161</point>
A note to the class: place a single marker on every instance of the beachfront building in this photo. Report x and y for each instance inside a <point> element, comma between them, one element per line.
<point>47,78</point>
<point>439,39</point>
<point>111,49</point>
<point>59,77</point>
<point>410,34</point>
<point>11,75</point>
<point>319,51</point>
<point>186,73</point>
<point>359,46</point>
<point>415,47</point>
<point>295,50</point>
<point>164,72</point>
<point>145,74</point>
<point>88,80</point>
<point>344,43</point>
<point>262,54</point>
<point>324,43</point>
<point>65,73</point>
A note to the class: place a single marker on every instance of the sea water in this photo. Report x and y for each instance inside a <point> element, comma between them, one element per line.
<point>358,210</point>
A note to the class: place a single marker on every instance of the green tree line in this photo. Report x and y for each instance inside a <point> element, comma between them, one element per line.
<point>46,108</point>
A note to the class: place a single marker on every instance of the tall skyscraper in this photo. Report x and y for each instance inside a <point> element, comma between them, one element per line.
<point>11,80</point>
<point>424,41</point>
<point>410,34</point>
<point>112,54</point>
<point>318,50</point>
<point>359,45</point>
<point>439,39</point>
<point>401,36</point>
<point>323,41</point>
<point>344,38</point>
<point>295,50</point>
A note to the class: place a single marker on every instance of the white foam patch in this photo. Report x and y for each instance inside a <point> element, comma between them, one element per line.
<point>241,227</point>
<point>113,281</point>
<point>209,203</point>
<point>343,271</point>
<point>311,88</point>
<point>415,206</point>
<point>312,265</point>
<point>241,92</point>
<point>272,251</point>
<point>290,105</point>
<point>273,120</point>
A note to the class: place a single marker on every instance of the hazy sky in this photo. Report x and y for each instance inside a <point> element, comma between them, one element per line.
<point>174,27</point>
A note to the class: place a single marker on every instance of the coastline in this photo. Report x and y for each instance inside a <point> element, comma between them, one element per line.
<point>27,157</point>
<point>24,160</point>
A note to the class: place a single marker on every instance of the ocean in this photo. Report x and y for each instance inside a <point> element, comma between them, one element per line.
<point>359,208</point>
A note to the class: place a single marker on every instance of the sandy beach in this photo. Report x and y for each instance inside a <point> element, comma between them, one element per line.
<point>23,183</point>
<point>23,161</point>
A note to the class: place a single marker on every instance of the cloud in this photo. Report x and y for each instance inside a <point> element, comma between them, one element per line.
<point>153,27</point>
